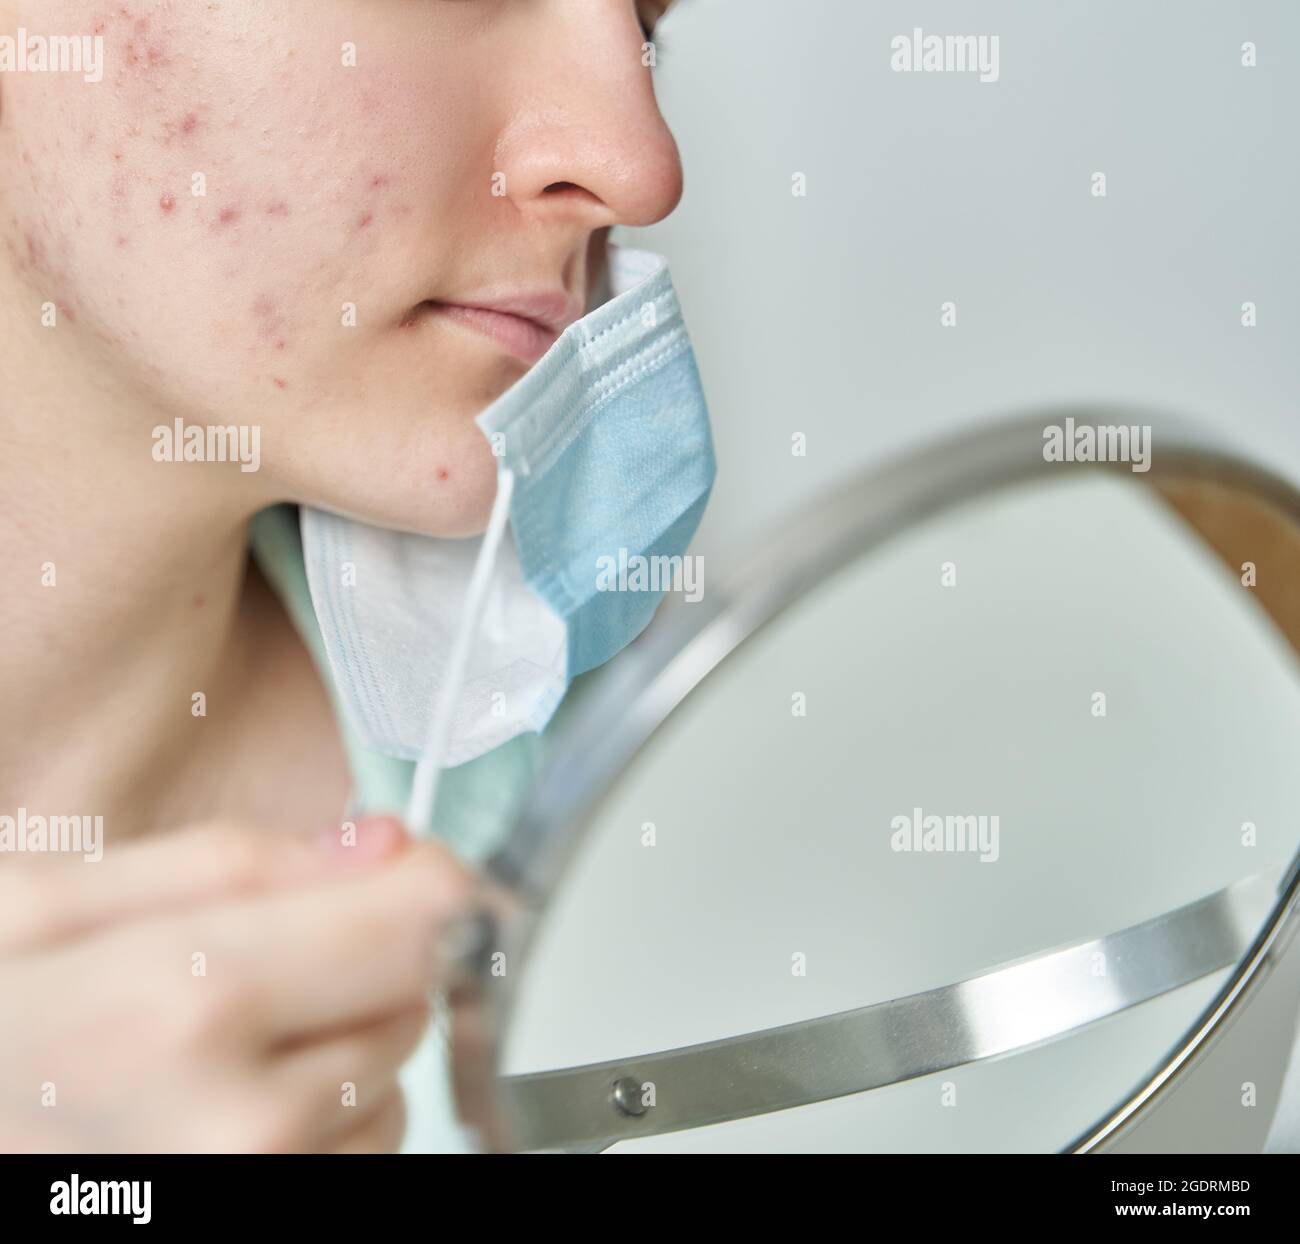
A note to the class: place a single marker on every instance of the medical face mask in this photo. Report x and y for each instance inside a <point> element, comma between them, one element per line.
<point>444,649</point>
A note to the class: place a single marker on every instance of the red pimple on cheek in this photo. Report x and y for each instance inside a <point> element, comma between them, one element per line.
<point>198,602</point>
<point>281,384</point>
<point>138,50</point>
<point>270,327</point>
<point>182,127</point>
<point>229,215</point>
<point>366,220</point>
<point>378,183</point>
<point>168,203</point>
<point>443,473</point>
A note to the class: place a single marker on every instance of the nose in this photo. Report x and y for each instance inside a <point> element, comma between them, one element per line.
<point>587,146</point>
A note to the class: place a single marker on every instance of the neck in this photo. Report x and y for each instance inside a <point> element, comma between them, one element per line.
<point>124,597</point>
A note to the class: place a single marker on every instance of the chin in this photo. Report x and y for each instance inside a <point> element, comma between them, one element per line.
<point>471,504</point>
<point>451,499</point>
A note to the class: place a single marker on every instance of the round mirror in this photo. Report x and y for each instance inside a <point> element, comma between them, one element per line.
<point>947,822</point>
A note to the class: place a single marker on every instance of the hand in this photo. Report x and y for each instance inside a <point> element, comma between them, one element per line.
<point>217,989</point>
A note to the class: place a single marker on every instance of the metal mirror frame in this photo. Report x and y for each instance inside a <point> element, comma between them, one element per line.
<point>686,642</point>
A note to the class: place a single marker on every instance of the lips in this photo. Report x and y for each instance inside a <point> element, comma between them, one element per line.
<point>525,325</point>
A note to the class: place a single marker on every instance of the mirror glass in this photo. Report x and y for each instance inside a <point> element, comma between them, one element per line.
<point>1047,715</point>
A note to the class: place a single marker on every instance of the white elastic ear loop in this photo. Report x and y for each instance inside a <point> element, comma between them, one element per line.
<point>424,789</point>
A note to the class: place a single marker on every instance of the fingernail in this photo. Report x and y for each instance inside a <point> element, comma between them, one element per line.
<point>364,841</point>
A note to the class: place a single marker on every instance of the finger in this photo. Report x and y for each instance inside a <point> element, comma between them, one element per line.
<point>41,906</point>
<point>336,956</point>
<point>382,1132</point>
<point>334,1080</point>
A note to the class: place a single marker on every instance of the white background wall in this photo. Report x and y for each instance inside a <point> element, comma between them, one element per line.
<point>821,314</point>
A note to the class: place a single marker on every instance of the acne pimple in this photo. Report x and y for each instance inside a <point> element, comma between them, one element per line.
<point>190,124</point>
<point>366,220</point>
<point>150,57</point>
<point>168,203</point>
<point>443,473</point>
<point>377,183</point>
<point>229,215</point>
<point>280,384</point>
<point>271,325</point>
<point>198,602</point>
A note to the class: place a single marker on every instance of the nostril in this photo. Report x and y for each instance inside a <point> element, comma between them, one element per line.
<point>571,196</point>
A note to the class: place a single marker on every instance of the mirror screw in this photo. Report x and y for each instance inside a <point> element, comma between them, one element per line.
<point>626,1096</point>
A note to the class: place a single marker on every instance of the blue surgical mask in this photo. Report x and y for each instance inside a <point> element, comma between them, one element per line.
<point>444,649</point>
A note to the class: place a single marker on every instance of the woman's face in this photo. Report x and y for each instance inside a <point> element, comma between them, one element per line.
<point>246,221</point>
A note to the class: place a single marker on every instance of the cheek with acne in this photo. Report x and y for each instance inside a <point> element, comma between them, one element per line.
<point>170,261</point>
